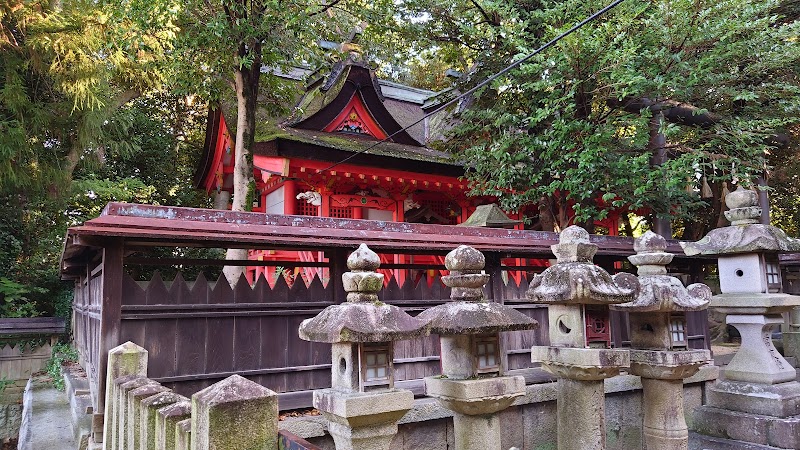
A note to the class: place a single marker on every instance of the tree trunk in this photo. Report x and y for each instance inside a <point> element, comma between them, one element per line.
<point>657,145</point>
<point>246,82</point>
<point>546,218</point>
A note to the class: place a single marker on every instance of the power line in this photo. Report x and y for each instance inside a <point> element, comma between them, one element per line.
<point>507,69</point>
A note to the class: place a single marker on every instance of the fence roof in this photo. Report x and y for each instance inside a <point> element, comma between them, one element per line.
<point>147,225</point>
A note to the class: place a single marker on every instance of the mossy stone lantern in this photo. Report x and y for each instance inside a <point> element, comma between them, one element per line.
<point>362,404</point>
<point>758,381</point>
<point>574,289</point>
<point>472,384</point>
<point>658,315</point>
<point>660,354</point>
<point>577,293</point>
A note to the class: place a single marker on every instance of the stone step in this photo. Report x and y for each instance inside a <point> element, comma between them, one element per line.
<point>777,432</point>
<point>80,401</point>
<point>700,442</point>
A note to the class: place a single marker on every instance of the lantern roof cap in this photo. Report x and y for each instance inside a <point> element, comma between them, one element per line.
<point>469,312</point>
<point>658,291</point>
<point>468,317</point>
<point>750,238</point>
<point>362,322</point>
<point>745,234</point>
<point>574,279</point>
<point>363,318</point>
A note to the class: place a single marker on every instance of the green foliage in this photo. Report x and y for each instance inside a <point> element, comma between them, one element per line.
<point>15,302</point>
<point>555,128</point>
<point>4,383</point>
<point>62,354</point>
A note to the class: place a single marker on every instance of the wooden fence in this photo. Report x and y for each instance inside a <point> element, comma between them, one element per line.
<point>201,331</point>
<point>26,344</point>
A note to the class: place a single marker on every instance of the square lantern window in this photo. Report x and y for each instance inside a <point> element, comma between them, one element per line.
<point>487,354</point>
<point>598,327</point>
<point>677,332</point>
<point>773,273</point>
<point>376,365</point>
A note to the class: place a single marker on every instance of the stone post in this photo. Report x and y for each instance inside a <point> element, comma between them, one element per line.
<point>473,384</point>
<point>135,399</point>
<point>580,402</point>
<point>758,381</point>
<point>167,419</point>
<point>124,414</point>
<point>568,287</point>
<point>127,359</point>
<point>234,413</point>
<point>149,410</point>
<point>183,435</point>
<point>664,423</point>
<point>362,405</point>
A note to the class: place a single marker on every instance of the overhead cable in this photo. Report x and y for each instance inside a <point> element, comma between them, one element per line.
<point>483,83</point>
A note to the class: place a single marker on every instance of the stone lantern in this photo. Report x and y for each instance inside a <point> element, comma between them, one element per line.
<point>574,289</point>
<point>362,405</point>
<point>758,380</point>
<point>472,384</point>
<point>660,354</point>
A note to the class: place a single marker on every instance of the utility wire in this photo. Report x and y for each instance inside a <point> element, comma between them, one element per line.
<point>509,68</point>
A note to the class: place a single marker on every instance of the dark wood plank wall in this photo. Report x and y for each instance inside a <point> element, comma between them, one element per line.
<point>86,317</point>
<point>199,332</point>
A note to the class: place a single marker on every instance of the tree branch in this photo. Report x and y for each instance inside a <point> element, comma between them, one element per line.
<point>325,8</point>
<point>490,19</point>
<point>674,111</point>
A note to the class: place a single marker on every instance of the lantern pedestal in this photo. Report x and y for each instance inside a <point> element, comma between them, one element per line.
<point>580,403</point>
<point>754,316</point>
<point>474,403</point>
<point>757,400</point>
<point>662,372</point>
<point>363,420</point>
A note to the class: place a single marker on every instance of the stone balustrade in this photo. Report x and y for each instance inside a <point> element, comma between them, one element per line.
<point>141,414</point>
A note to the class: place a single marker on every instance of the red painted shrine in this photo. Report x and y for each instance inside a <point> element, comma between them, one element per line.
<point>298,168</point>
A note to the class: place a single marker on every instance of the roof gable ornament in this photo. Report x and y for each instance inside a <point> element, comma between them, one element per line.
<point>356,119</point>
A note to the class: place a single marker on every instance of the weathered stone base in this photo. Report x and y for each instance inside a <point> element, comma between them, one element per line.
<point>363,420</point>
<point>778,400</point>
<point>529,423</point>
<point>375,437</point>
<point>701,442</point>
<point>782,433</point>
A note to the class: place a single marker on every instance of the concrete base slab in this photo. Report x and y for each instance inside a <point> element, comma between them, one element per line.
<point>779,400</point>
<point>776,432</point>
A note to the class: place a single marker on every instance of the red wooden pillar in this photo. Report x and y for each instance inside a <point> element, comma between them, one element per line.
<point>290,197</point>
<point>399,216</point>
<point>325,208</point>
<point>358,212</point>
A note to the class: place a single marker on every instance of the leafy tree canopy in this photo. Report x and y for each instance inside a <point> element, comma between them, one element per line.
<point>569,132</point>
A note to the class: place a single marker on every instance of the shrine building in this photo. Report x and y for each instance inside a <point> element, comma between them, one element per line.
<point>322,160</point>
